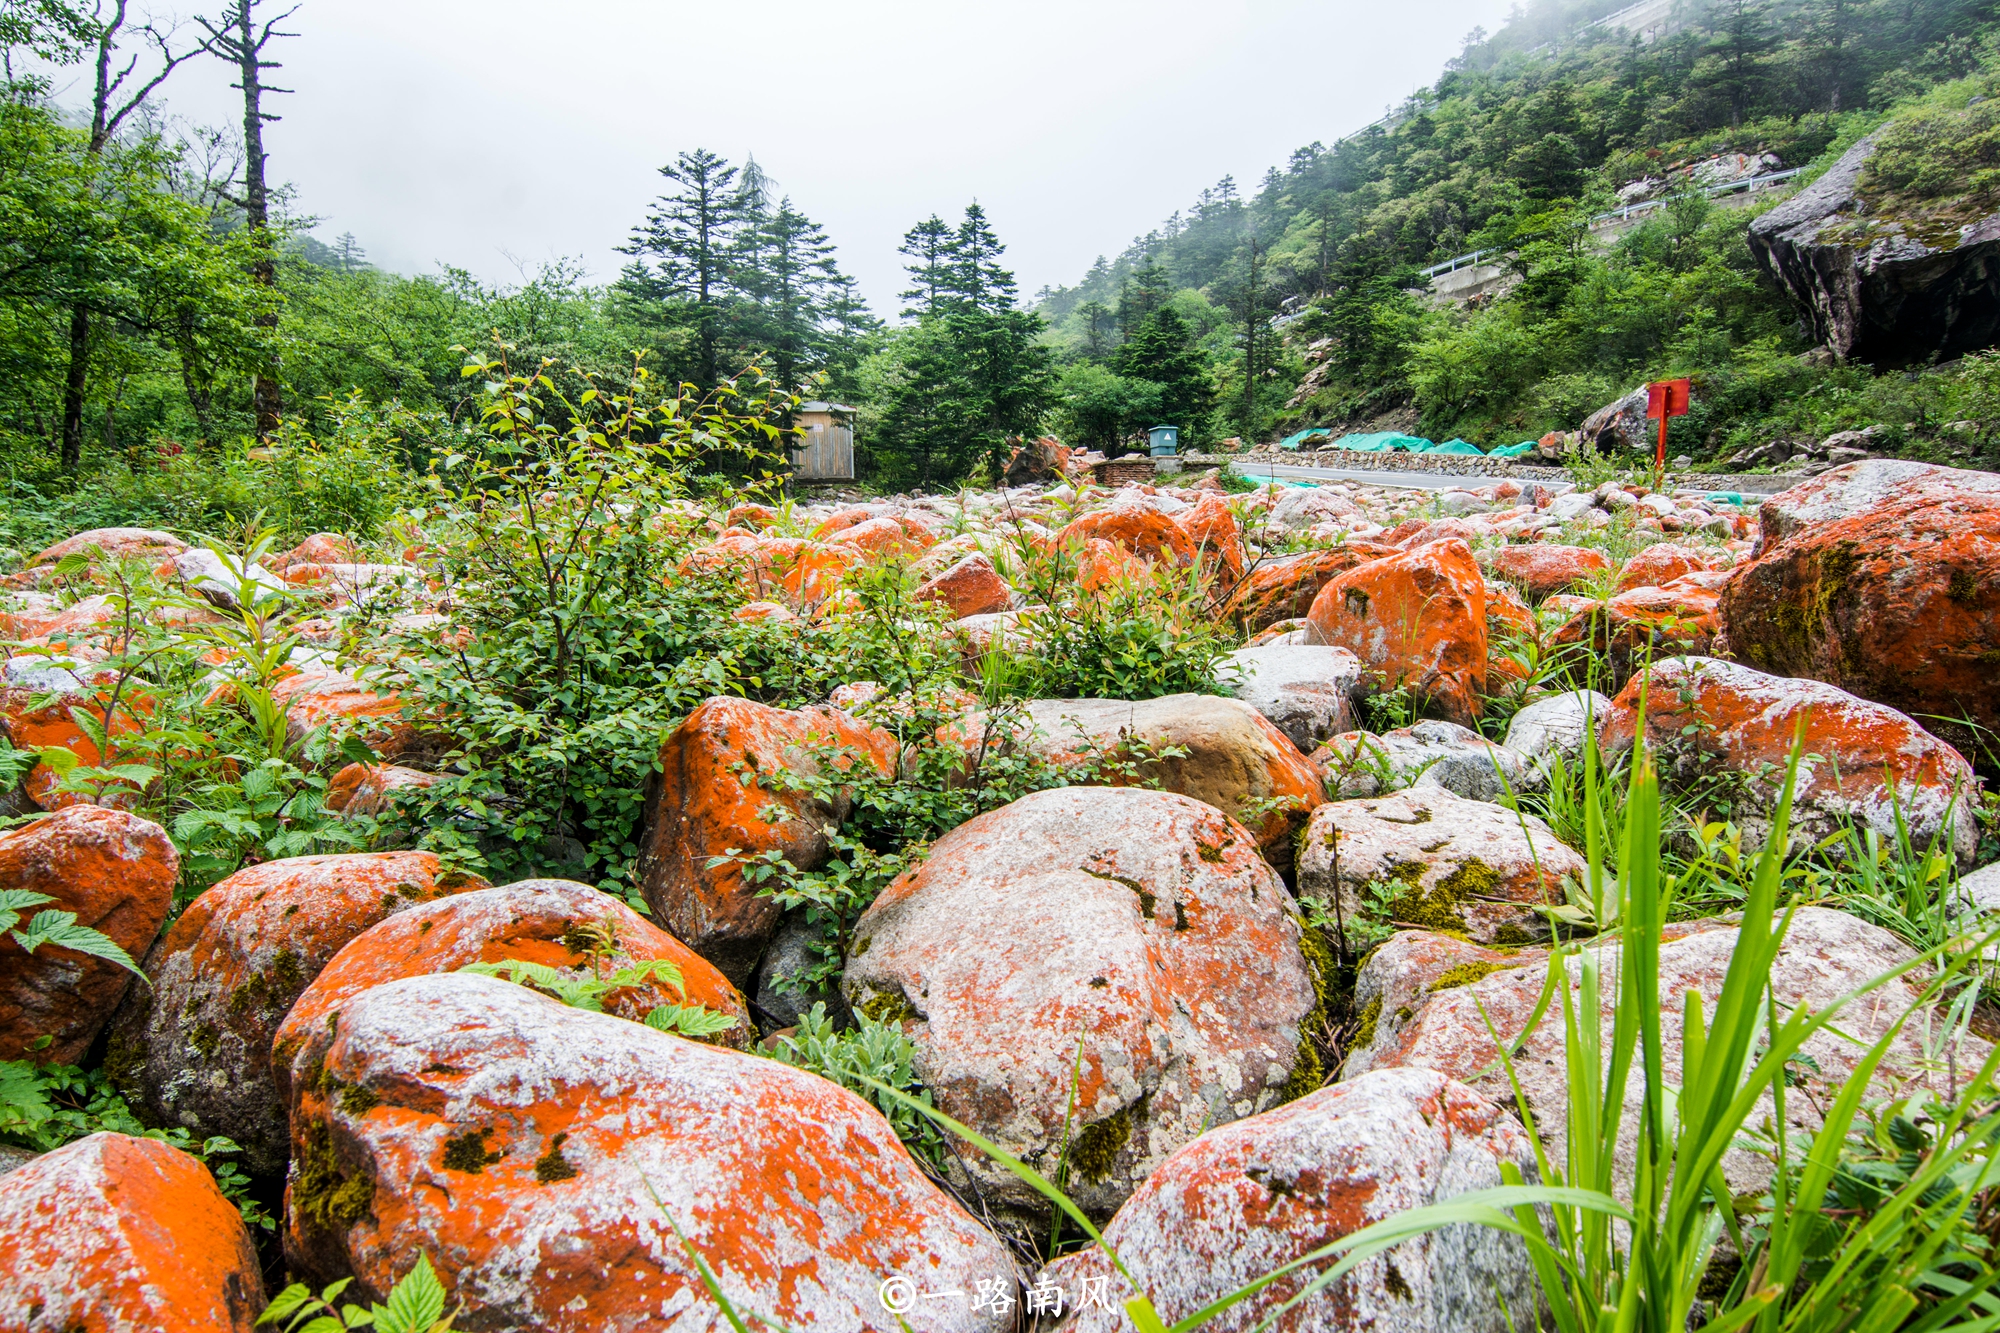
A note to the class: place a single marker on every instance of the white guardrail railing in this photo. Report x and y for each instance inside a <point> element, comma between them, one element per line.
<point>1621,214</point>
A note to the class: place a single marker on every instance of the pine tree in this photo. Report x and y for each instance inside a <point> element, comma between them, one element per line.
<point>799,304</point>
<point>931,249</point>
<point>690,236</point>
<point>1163,351</point>
<point>973,372</point>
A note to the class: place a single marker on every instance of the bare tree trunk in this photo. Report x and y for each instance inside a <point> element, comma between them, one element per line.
<point>241,42</point>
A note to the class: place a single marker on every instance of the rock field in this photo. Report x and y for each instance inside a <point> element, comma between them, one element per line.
<point>1234,995</point>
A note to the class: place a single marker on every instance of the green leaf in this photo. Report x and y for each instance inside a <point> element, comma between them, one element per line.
<point>61,930</point>
<point>415,1304</point>
<point>14,901</point>
<point>688,1020</point>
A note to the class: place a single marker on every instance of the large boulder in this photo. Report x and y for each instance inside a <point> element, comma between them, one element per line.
<point>117,873</point>
<point>1427,754</point>
<point>1140,529</point>
<point>1555,727</point>
<point>1218,539</point>
<point>555,922</point>
<point>194,1049</point>
<point>1644,624</point>
<point>970,587</point>
<point>1862,763</point>
<point>1881,577</point>
<point>1617,427</point>
<point>546,1157</point>
<point>42,715</point>
<point>1442,1022</point>
<point>1658,565</point>
<point>1284,588</point>
<point>1143,925</point>
<point>1417,620</point>
<point>1246,1199</point>
<point>1439,861</point>
<point>1234,759</point>
<point>723,771</point>
<point>1542,569</point>
<point>1876,286</point>
<point>148,544</point>
<point>113,1234</point>
<point>1304,690</point>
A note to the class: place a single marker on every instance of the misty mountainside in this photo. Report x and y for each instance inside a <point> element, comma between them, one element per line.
<point>1307,292</point>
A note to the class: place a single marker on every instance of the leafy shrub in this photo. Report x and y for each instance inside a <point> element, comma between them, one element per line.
<point>869,1053</point>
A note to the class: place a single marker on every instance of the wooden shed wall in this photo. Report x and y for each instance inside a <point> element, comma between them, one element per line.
<point>827,453</point>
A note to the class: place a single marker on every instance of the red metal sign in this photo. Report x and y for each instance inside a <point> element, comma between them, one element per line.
<point>1667,398</point>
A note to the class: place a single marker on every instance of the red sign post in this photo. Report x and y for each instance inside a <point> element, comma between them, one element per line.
<point>1665,398</point>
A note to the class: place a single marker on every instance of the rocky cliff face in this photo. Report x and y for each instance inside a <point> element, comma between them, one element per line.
<point>1877,287</point>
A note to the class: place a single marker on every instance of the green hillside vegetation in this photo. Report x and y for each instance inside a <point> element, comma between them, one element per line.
<point>1524,138</point>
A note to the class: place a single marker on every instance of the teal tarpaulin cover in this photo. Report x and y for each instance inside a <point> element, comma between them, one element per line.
<point>1456,447</point>
<point>1382,441</point>
<point>1511,450</point>
<point>1294,441</point>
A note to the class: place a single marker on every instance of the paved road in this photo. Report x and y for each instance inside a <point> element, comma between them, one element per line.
<point>1439,481</point>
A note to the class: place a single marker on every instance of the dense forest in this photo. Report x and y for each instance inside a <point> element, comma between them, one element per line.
<point>166,309</point>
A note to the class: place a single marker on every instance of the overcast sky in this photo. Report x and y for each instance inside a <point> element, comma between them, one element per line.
<point>495,135</point>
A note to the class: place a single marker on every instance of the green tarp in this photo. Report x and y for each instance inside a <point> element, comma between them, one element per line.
<point>1512,450</point>
<point>1460,447</point>
<point>1294,441</point>
<point>1382,441</point>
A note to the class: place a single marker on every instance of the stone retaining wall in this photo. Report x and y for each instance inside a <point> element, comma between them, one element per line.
<point>1465,465</point>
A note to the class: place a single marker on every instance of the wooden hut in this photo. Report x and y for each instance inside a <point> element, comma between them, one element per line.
<point>825,452</point>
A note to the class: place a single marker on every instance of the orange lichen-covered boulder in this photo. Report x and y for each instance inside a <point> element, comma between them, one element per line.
<point>368,789</point>
<point>54,726</point>
<point>1234,757</point>
<point>1660,564</point>
<point>882,538</point>
<point>1249,1198</point>
<point>1218,539</point>
<point>147,544</point>
<point>841,520</point>
<point>1862,761</point>
<point>752,516</point>
<point>194,1050</point>
<point>114,1234</point>
<point>548,1155</point>
<point>1105,565</point>
<point>55,627</point>
<point>1416,619</point>
<point>816,572</point>
<point>1881,577</point>
<point>1645,623</point>
<point>1542,569</point>
<point>1447,1024</point>
<point>1140,529</point>
<point>722,771</point>
<point>1456,864</point>
<point>1284,589</point>
<point>557,922</point>
<point>1507,616</point>
<point>322,548</point>
<point>116,872</point>
<point>335,698</point>
<point>1142,922</point>
<point>970,587</point>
